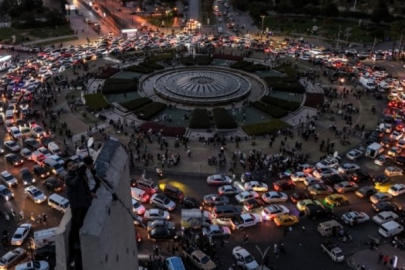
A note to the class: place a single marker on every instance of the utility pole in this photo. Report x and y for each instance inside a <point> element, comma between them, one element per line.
<point>262,16</point>
<point>338,37</point>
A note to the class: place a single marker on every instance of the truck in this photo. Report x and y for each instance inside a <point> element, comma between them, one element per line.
<point>199,259</point>
<point>333,251</point>
<point>373,150</point>
<point>44,237</point>
<point>195,218</point>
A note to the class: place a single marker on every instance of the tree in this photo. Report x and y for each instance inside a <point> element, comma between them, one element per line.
<point>7,5</point>
<point>381,13</point>
<point>330,10</point>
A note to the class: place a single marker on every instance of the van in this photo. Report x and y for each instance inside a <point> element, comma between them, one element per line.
<point>373,150</point>
<point>53,166</point>
<point>139,195</point>
<point>147,185</point>
<point>390,228</point>
<point>58,202</point>
<point>54,149</point>
<point>330,227</point>
<point>226,211</point>
<point>220,31</point>
<point>173,192</point>
<point>174,263</point>
<point>367,83</point>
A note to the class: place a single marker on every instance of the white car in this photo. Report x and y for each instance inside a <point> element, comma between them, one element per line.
<point>345,186</point>
<point>380,197</point>
<point>8,179</point>
<point>218,179</point>
<point>44,151</point>
<point>312,180</point>
<point>324,172</point>
<point>396,135</point>
<point>330,162</point>
<point>33,265</point>
<point>354,154</point>
<point>245,220</point>
<point>229,190</point>
<point>256,186</point>
<point>156,214</point>
<point>37,131</point>
<point>393,171</point>
<point>161,201</point>
<point>271,211</point>
<point>26,153</point>
<point>12,146</point>
<point>401,144</point>
<point>354,217</point>
<point>299,176</point>
<point>137,207</point>
<point>15,133</point>
<point>384,216</point>
<point>246,195</point>
<point>35,194</point>
<point>397,190</point>
<point>244,259</point>
<point>21,234</point>
<point>348,168</point>
<point>274,197</point>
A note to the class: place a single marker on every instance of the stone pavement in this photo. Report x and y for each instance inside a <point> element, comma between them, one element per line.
<point>369,258</point>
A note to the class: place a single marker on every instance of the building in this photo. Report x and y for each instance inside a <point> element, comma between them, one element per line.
<point>107,237</point>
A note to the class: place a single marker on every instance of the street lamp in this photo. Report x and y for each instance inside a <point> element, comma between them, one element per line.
<point>262,16</point>
<point>263,254</point>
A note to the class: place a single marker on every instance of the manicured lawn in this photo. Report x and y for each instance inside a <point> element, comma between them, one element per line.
<point>57,41</point>
<point>96,101</point>
<point>156,20</point>
<point>33,34</point>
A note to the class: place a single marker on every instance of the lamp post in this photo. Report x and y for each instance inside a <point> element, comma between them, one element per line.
<point>262,16</point>
<point>263,254</point>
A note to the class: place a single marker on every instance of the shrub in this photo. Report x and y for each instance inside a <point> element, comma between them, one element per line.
<point>200,119</point>
<point>96,101</point>
<point>314,100</point>
<point>255,67</point>
<point>149,110</point>
<point>287,84</point>
<point>203,60</point>
<point>107,73</point>
<point>118,86</point>
<point>228,57</point>
<point>116,81</point>
<point>287,70</point>
<point>282,103</point>
<point>271,110</point>
<point>138,69</point>
<point>151,65</point>
<point>241,64</point>
<point>159,57</point>
<point>136,103</point>
<point>167,131</point>
<point>223,120</point>
<point>267,127</point>
<point>187,61</point>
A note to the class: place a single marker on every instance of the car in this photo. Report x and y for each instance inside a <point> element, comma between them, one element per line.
<point>299,196</point>
<point>304,203</point>
<point>244,258</point>
<point>26,154</point>
<point>246,177</point>
<point>366,192</point>
<point>312,181</point>
<point>6,193</point>
<point>386,206</point>
<point>360,176</point>
<point>319,189</point>
<point>12,258</point>
<point>190,202</point>
<point>329,162</point>
<point>13,159</point>
<point>271,211</point>
<point>218,179</point>
<point>244,221</point>
<point>379,197</point>
<point>382,179</point>
<point>45,253</point>
<point>324,172</point>
<point>229,190</point>
<point>382,160</point>
<point>345,186</point>
<point>354,218</point>
<point>396,135</point>
<point>214,199</point>
<point>162,234</point>
<point>274,197</point>
<point>54,184</point>
<point>44,151</point>
<point>256,186</point>
<point>32,143</point>
<point>299,176</point>
<point>37,131</point>
<point>33,265</point>
<point>25,132</point>
<point>156,214</point>
<point>246,195</point>
<point>400,160</point>
<point>286,220</point>
<point>160,224</point>
<point>26,176</point>
<point>393,171</point>
<point>45,141</point>
<point>161,201</point>
<point>40,171</point>
<point>336,200</point>
<point>35,194</point>
<point>316,210</point>
<point>384,216</point>
<point>8,179</point>
<point>397,189</point>
<point>307,168</point>
<point>137,207</point>
<point>334,179</point>
<point>15,133</point>
<point>216,231</point>
<point>401,143</point>
<point>12,146</point>
<point>253,204</point>
<point>21,234</point>
<point>354,154</point>
<point>383,187</point>
<point>394,151</point>
<point>281,185</point>
<point>348,168</point>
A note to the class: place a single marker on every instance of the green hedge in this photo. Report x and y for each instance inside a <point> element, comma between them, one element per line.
<point>268,127</point>
<point>96,101</point>
<point>223,120</point>
<point>160,57</point>
<point>136,103</point>
<point>271,110</point>
<point>118,86</point>
<point>241,64</point>
<point>149,110</point>
<point>187,61</point>
<point>118,81</point>
<point>256,67</point>
<point>282,103</point>
<point>139,69</point>
<point>200,119</point>
<point>151,65</point>
<point>287,70</point>
<point>288,84</point>
<point>203,60</point>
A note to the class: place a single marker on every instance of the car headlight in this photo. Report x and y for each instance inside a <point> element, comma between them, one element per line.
<point>33,180</point>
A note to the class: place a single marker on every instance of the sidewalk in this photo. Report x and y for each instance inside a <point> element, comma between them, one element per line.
<point>369,258</point>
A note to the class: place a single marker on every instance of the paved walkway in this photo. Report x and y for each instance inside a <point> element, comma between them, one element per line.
<point>369,258</point>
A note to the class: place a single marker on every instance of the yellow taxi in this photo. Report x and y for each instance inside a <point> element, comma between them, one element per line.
<point>383,187</point>
<point>336,199</point>
<point>286,220</point>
